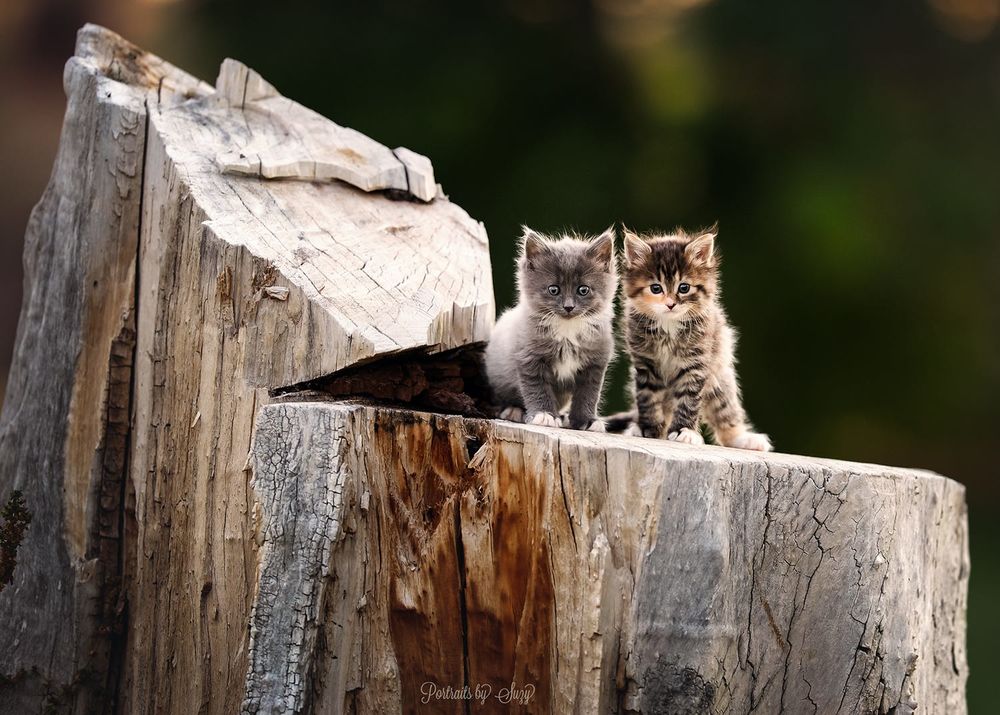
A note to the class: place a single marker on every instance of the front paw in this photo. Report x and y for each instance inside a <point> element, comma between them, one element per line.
<point>543,419</point>
<point>634,430</point>
<point>591,426</point>
<point>687,436</point>
<point>752,440</point>
<point>512,414</point>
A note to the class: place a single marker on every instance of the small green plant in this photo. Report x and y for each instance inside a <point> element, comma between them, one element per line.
<point>15,518</point>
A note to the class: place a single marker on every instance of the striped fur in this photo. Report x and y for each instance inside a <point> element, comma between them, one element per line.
<point>681,343</point>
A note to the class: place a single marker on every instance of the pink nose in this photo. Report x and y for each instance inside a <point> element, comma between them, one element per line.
<point>670,304</point>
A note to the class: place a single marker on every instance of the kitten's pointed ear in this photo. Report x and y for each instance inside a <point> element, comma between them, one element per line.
<point>602,248</point>
<point>701,248</point>
<point>637,251</point>
<point>533,245</point>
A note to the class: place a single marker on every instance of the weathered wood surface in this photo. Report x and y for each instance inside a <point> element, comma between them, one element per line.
<point>217,288</point>
<point>356,553</point>
<point>596,573</point>
<point>64,426</point>
<point>366,276</point>
<point>363,276</point>
<point>284,140</point>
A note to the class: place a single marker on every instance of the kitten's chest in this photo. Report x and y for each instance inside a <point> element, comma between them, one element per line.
<point>569,345</point>
<point>567,359</point>
<point>670,349</point>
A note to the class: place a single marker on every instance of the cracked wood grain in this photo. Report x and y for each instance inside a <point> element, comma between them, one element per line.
<point>165,300</point>
<point>299,478</point>
<point>624,575</point>
<point>65,419</point>
<point>248,287</point>
<point>284,140</point>
<point>360,276</point>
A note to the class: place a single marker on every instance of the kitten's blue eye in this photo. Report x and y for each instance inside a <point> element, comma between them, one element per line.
<point>656,289</point>
<point>583,290</point>
<point>553,290</point>
<point>683,288</point>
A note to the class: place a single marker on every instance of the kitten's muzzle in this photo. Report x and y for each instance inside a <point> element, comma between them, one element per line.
<point>569,308</point>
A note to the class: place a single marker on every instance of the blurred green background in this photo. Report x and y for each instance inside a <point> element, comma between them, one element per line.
<point>848,150</point>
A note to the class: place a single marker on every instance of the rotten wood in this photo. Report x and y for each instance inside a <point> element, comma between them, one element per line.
<point>451,382</point>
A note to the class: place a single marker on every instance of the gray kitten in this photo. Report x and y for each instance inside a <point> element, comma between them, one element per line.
<point>554,346</point>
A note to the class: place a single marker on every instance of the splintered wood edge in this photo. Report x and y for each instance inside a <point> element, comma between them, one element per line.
<point>117,59</point>
<point>657,448</point>
<point>244,88</point>
<point>419,173</point>
<point>238,84</point>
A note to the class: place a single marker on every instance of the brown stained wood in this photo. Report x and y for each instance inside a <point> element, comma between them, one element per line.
<point>609,574</point>
<point>424,472</point>
<point>509,594</point>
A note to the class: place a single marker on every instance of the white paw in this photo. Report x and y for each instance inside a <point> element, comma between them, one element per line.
<point>752,440</point>
<point>687,436</point>
<point>632,430</point>
<point>564,419</point>
<point>544,419</point>
<point>597,426</point>
<point>512,414</point>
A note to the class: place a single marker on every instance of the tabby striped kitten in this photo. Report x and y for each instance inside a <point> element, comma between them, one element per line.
<point>683,365</point>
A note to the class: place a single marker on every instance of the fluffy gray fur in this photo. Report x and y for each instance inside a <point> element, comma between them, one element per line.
<point>554,346</point>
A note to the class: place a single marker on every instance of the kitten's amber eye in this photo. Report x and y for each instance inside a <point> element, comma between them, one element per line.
<point>683,288</point>
<point>553,290</point>
<point>656,289</point>
<point>583,290</point>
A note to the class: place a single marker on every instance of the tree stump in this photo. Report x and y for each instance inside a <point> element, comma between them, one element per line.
<point>245,411</point>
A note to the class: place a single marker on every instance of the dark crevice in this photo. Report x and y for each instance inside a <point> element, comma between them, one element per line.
<point>119,634</point>
<point>562,487</point>
<point>473,444</point>
<point>14,521</point>
<point>462,606</point>
<point>450,382</point>
<point>406,172</point>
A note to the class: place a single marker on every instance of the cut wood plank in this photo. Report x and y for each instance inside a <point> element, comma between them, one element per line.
<point>595,573</point>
